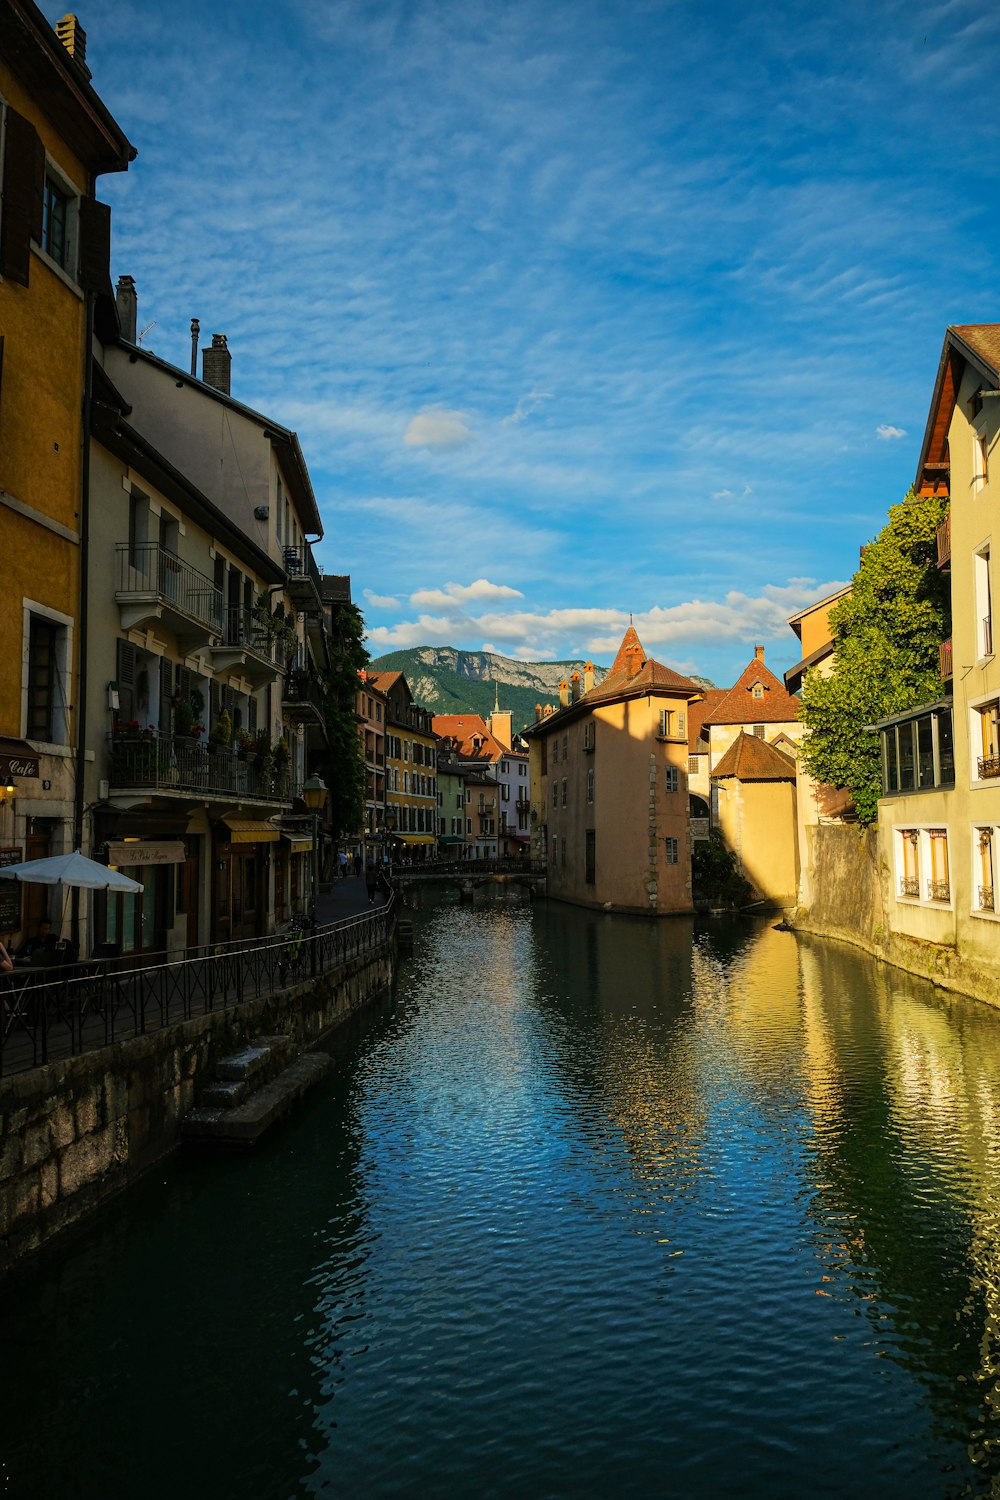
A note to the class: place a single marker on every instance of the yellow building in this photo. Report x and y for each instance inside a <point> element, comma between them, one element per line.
<point>757,816</point>
<point>609,796</point>
<point>411,814</point>
<point>58,138</point>
<point>812,627</point>
<point>939,819</point>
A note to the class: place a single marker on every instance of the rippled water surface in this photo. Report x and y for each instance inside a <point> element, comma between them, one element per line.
<point>594,1208</point>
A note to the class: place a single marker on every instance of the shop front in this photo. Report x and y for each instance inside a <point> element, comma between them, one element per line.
<point>241,873</point>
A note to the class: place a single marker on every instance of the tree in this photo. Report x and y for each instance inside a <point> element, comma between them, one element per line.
<point>343,766</point>
<point>886,632</point>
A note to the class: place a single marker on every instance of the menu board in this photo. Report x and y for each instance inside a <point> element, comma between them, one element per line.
<point>10,893</point>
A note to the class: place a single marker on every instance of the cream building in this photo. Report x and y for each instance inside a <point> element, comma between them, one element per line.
<point>939,820</point>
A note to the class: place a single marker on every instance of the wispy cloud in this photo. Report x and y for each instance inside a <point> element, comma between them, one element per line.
<point>380,601</point>
<point>888,434</point>
<point>438,429</point>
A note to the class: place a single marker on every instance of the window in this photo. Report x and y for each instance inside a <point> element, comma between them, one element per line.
<point>671,849</point>
<point>565,786</point>
<point>980,462</point>
<point>565,747</point>
<point>545,757</point>
<point>555,793</point>
<point>588,735</point>
<point>985,737</point>
<point>666,718</point>
<point>590,785</point>
<point>56,206</point>
<point>46,664</point>
<point>590,874</point>
<point>758,730</point>
<point>757,691</point>
<point>694,765</point>
<point>986,846</point>
<point>555,848</point>
<point>670,778</point>
<point>984,607</point>
<point>505,792</point>
<point>922,865</point>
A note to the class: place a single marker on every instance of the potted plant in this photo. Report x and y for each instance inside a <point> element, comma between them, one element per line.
<point>246,744</point>
<point>221,734</point>
<point>183,718</point>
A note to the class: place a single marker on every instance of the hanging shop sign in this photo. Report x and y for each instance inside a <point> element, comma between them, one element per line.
<point>149,852</point>
<point>17,759</point>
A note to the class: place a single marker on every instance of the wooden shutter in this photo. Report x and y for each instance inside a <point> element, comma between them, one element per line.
<point>126,681</point>
<point>23,193</point>
<point>95,246</point>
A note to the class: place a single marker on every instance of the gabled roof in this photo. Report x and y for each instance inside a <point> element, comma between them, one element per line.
<point>739,706</point>
<point>977,344</point>
<point>751,759</point>
<point>385,680</point>
<point>698,712</point>
<point>632,675</point>
<point>795,621</point>
<point>464,729</point>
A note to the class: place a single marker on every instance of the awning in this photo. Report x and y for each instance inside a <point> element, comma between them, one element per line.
<point>246,831</point>
<point>450,838</point>
<point>17,759</point>
<point>298,843</point>
<point>147,852</point>
<point>416,838</point>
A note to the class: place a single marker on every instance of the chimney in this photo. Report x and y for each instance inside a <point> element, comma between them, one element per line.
<point>195,331</point>
<point>548,710</point>
<point>588,676</point>
<point>127,302</point>
<point>215,364</point>
<point>74,39</point>
<point>574,686</point>
<point>758,652</point>
<point>564,694</point>
<point>538,712</point>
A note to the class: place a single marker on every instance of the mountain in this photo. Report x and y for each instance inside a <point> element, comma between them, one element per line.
<point>448,681</point>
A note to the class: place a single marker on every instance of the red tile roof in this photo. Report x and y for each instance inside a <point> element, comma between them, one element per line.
<point>739,706</point>
<point>698,712</point>
<point>751,759</point>
<point>463,728</point>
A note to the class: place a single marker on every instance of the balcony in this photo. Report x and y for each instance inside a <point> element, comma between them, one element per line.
<point>908,887</point>
<point>523,804</point>
<point>172,766</point>
<point>986,898</point>
<point>304,579</point>
<point>988,767</point>
<point>944,543</point>
<point>152,585</point>
<point>944,659</point>
<point>938,890</point>
<point>487,809</point>
<point>251,646</point>
<point>302,697</point>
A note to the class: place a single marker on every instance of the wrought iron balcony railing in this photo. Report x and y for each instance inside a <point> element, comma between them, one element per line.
<point>304,579</point>
<point>986,898</point>
<point>148,571</point>
<point>944,542</point>
<point>172,764</point>
<point>945,658</point>
<point>938,890</point>
<point>245,629</point>
<point>908,887</point>
<point>988,766</point>
<point>302,692</point>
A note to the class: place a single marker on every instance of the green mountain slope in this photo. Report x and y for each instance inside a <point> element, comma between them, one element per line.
<point>448,681</point>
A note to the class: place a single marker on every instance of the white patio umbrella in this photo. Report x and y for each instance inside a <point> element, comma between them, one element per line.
<point>70,869</point>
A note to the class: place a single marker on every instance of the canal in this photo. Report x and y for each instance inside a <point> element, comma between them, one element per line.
<point>594,1207</point>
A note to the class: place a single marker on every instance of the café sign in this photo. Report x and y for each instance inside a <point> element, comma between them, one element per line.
<point>164,852</point>
<point>17,760</point>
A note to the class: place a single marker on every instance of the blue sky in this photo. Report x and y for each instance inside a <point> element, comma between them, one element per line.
<point>579,309</point>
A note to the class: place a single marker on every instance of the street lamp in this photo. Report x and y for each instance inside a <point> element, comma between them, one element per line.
<point>314,796</point>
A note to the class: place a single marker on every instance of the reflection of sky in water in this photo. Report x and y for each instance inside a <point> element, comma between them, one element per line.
<point>600,1207</point>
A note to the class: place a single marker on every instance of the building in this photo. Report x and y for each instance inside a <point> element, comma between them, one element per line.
<point>58,139</point>
<point>371,716</point>
<point>939,818</point>
<point>609,793</point>
<point>495,771</point>
<point>411,811</point>
<point>756,816</point>
<point>206,638</point>
<point>812,627</point>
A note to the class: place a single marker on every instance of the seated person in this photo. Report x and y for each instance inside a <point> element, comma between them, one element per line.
<point>41,948</point>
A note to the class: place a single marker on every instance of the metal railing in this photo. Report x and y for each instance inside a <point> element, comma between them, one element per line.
<point>300,564</point>
<point>147,568</point>
<point>303,687</point>
<point>246,629</point>
<point>448,869</point>
<point>945,658</point>
<point>171,763</point>
<point>908,887</point>
<point>988,766</point>
<point>986,898</point>
<point>944,542</point>
<point>938,890</point>
<point>95,1004</point>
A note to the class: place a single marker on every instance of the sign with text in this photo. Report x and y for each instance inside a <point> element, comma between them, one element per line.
<point>10,893</point>
<point>166,852</point>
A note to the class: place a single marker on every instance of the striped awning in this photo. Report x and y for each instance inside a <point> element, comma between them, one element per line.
<point>247,831</point>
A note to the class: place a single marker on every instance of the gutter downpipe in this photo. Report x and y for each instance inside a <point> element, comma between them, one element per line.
<point>79,800</point>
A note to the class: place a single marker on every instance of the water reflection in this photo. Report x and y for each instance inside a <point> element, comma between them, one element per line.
<point>599,1207</point>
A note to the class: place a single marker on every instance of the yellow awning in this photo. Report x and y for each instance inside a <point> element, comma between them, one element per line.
<point>246,831</point>
<point>297,845</point>
<point>417,838</point>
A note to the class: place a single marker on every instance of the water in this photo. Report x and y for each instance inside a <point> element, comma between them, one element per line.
<point>596,1207</point>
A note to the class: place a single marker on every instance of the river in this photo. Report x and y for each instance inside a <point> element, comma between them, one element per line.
<point>592,1207</point>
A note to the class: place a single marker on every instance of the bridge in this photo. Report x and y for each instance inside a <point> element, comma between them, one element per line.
<point>470,873</point>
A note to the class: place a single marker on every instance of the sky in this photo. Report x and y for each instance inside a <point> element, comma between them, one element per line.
<point>582,310</point>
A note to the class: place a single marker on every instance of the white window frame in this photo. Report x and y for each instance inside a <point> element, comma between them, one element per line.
<point>69,272</point>
<point>980,456</point>
<point>926,835</point>
<point>60,709</point>
<point>987,913</point>
<point>671,779</point>
<point>983,600</point>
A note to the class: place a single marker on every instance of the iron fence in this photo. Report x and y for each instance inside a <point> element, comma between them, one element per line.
<point>145,568</point>
<point>173,763</point>
<point>47,1016</point>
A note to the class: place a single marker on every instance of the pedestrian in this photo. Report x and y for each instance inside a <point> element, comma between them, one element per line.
<point>342,860</point>
<point>371,883</point>
<point>358,866</point>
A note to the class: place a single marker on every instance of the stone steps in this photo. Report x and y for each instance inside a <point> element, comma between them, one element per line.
<point>252,1089</point>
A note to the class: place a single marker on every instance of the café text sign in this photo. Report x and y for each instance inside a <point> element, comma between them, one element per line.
<point>166,852</point>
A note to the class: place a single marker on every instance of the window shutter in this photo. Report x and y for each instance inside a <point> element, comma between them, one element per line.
<point>23,191</point>
<point>95,246</point>
<point>126,681</point>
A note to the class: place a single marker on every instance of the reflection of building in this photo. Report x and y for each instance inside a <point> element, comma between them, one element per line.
<point>57,138</point>
<point>410,768</point>
<point>609,787</point>
<point>939,818</point>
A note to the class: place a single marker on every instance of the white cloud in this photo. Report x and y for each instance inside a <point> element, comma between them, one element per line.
<point>526,405</point>
<point>722,495</point>
<point>454,594</point>
<point>380,601</point>
<point>437,428</point>
<point>887,433</point>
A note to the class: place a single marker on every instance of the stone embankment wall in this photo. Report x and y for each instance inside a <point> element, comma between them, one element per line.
<point>76,1133</point>
<point>850,892</point>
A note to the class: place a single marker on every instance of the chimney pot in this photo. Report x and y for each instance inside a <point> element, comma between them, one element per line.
<point>574,686</point>
<point>564,694</point>
<point>126,302</point>
<point>588,676</point>
<point>758,652</point>
<point>216,364</point>
<point>74,39</point>
<point>195,332</point>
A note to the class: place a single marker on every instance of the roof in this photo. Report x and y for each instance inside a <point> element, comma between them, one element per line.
<point>698,711</point>
<point>751,759</point>
<point>977,344</point>
<point>794,675</point>
<point>795,621</point>
<point>383,681</point>
<point>739,706</point>
<point>632,675</point>
<point>463,729</point>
